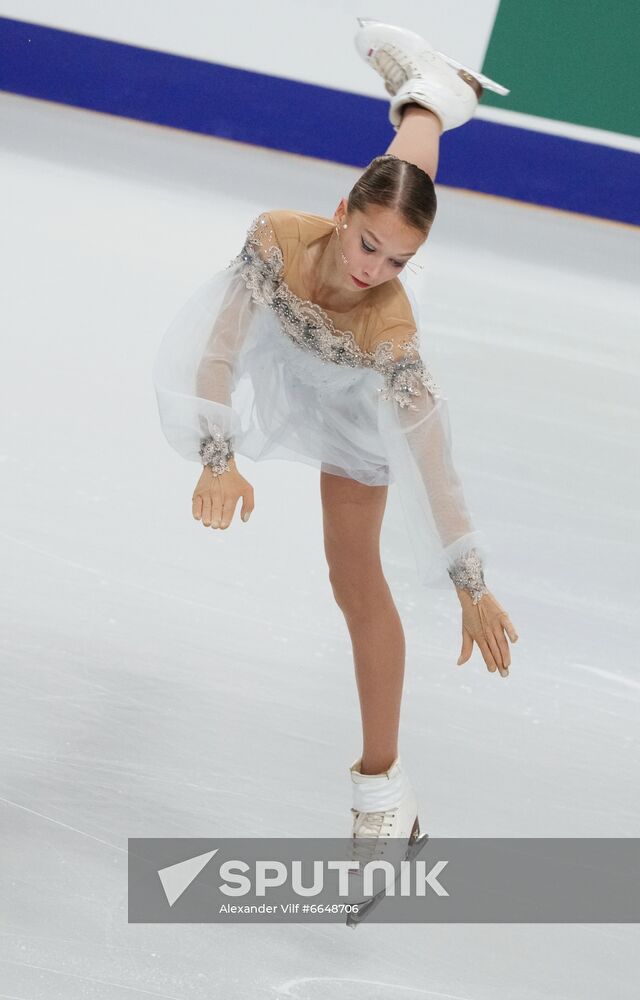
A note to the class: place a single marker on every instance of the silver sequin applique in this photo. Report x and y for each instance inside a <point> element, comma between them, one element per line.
<point>467,574</point>
<point>404,378</point>
<point>309,326</point>
<point>215,451</point>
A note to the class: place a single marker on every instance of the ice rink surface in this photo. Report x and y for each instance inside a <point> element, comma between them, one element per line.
<point>164,679</point>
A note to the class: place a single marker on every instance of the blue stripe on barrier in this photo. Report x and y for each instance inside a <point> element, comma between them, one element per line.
<point>297,117</point>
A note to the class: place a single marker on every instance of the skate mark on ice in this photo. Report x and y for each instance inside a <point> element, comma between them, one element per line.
<point>292,987</point>
<point>608,676</point>
<point>88,979</point>
<point>67,826</point>
<point>104,578</point>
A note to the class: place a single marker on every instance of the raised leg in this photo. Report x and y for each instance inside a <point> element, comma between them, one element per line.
<point>418,139</point>
<point>352,519</point>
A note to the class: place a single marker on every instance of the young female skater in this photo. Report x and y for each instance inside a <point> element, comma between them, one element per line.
<point>306,347</point>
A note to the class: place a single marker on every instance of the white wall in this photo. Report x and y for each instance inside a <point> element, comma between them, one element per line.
<point>310,40</point>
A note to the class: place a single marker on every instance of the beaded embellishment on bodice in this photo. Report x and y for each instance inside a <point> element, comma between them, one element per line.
<point>309,326</point>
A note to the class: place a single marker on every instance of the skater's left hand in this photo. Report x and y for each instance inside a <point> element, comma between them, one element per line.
<point>486,623</point>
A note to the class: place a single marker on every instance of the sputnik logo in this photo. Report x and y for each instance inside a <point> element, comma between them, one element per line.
<point>176,879</point>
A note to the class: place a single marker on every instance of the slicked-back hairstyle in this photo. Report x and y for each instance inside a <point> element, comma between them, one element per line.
<point>397,184</point>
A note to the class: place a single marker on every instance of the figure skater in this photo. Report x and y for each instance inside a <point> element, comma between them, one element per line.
<point>306,347</point>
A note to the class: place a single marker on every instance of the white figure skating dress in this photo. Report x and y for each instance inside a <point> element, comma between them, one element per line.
<point>250,366</point>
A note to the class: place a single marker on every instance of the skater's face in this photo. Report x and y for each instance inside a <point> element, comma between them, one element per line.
<point>377,244</point>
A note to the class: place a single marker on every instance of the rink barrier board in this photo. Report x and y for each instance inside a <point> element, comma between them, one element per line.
<point>568,61</point>
<point>296,117</point>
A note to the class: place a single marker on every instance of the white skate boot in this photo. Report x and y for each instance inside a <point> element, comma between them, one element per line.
<point>415,73</point>
<point>385,827</point>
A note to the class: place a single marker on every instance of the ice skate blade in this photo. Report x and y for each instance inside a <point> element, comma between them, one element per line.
<point>486,81</point>
<point>367,905</point>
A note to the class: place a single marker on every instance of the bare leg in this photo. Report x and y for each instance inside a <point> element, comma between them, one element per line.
<point>352,518</point>
<point>418,139</point>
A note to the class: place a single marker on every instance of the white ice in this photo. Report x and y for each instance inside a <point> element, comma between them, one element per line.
<point>164,679</point>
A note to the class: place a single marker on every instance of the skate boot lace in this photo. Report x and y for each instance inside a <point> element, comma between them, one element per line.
<point>396,67</point>
<point>371,826</point>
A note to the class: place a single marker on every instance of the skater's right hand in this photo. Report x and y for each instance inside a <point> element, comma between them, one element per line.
<point>215,497</point>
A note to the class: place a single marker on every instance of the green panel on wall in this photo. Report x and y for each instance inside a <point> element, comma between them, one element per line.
<point>572,60</point>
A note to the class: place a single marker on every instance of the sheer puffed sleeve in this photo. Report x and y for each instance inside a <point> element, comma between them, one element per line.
<point>194,370</point>
<point>413,421</point>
